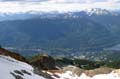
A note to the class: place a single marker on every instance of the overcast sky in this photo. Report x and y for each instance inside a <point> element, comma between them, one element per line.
<point>15,6</point>
<point>80,1</point>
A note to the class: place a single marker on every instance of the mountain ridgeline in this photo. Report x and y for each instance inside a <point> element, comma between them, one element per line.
<point>66,32</point>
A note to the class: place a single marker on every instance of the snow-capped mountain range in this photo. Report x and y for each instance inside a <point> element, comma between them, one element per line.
<point>98,11</point>
<point>37,14</point>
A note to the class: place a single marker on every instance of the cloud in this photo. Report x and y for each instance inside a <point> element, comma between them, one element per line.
<point>23,6</point>
<point>66,1</point>
<point>23,0</point>
<point>81,1</point>
<point>117,1</point>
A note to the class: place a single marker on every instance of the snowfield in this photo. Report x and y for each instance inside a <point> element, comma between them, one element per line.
<point>13,69</point>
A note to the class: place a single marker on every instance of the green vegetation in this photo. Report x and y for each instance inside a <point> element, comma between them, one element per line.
<point>114,64</point>
<point>81,63</point>
<point>87,64</point>
<point>84,64</point>
<point>35,57</point>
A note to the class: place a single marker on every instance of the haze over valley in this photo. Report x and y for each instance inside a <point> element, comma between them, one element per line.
<point>60,39</point>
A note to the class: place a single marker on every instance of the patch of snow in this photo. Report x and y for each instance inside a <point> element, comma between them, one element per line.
<point>84,76</point>
<point>70,75</point>
<point>8,65</point>
<point>107,76</point>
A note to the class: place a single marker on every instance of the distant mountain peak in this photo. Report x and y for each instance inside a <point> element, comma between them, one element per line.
<point>98,11</point>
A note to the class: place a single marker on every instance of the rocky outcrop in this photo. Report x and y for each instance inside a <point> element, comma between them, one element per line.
<point>44,62</point>
<point>12,54</point>
<point>98,71</point>
<point>91,73</point>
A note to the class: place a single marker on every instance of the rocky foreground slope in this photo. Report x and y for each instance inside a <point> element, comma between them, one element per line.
<point>14,68</point>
